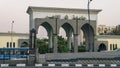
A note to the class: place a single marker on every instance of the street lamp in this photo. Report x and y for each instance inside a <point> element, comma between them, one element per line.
<point>89,11</point>
<point>89,22</point>
<point>11,37</point>
<point>11,33</point>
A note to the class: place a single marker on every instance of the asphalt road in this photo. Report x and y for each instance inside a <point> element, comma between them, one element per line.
<point>84,66</point>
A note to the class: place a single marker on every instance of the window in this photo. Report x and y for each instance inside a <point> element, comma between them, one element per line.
<point>110,46</point>
<point>116,46</point>
<point>7,44</point>
<point>113,46</point>
<point>10,44</point>
<point>14,44</point>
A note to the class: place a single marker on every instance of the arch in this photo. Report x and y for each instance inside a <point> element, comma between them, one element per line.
<point>69,31</point>
<point>88,32</point>
<point>102,47</point>
<point>67,27</point>
<point>87,27</point>
<point>69,23</point>
<point>46,25</point>
<point>50,26</point>
<point>24,44</point>
<point>49,31</point>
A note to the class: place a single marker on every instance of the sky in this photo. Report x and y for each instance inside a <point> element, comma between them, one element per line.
<point>15,10</point>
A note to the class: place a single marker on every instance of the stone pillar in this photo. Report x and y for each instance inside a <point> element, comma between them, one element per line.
<point>32,41</point>
<point>32,47</point>
<point>91,41</point>
<point>36,55</point>
<point>50,39</point>
<point>91,44</point>
<point>87,45</point>
<point>75,43</point>
<point>55,43</point>
<point>31,20</point>
<point>81,37</point>
<point>69,40</point>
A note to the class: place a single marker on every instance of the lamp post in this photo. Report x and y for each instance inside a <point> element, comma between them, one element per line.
<point>12,33</point>
<point>89,11</point>
<point>88,5</point>
<point>11,37</point>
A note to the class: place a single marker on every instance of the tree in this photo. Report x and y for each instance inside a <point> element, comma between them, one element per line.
<point>62,45</point>
<point>81,49</point>
<point>42,46</point>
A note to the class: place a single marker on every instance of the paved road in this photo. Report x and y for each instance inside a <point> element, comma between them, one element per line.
<point>60,67</point>
<point>70,66</point>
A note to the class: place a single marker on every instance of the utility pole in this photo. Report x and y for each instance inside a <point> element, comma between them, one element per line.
<point>89,24</point>
<point>11,34</point>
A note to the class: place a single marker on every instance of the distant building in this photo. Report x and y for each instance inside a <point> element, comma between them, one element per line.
<point>105,30</point>
<point>118,28</point>
<point>14,41</point>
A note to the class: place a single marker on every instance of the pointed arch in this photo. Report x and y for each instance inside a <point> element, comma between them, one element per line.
<point>102,47</point>
<point>67,27</point>
<point>89,36</point>
<point>46,23</point>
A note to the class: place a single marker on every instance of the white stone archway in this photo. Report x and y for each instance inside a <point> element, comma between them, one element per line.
<point>55,18</point>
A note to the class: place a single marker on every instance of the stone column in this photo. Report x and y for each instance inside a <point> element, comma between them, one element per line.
<point>81,37</point>
<point>91,44</point>
<point>31,22</point>
<point>90,41</point>
<point>32,41</point>
<point>32,47</point>
<point>50,39</point>
<point>87,45</point>
<point>78,39</point>
<point>55,43</point>
<point>69,40</point>
<point>75,43</point>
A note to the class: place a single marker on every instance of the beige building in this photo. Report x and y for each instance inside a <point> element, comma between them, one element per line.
<point>107,42</point>
<point>103,42</point>
<point>17,39</point>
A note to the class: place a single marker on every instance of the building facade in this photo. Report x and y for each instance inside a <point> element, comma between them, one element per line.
<point>13,40</point>
<point>107,42</point>
<point>103,29</point>
<point>103,42</point>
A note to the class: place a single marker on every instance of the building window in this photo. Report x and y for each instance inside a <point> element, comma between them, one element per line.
<point>115,46</point>
<point>14,44</point>
<point>10,44</point>
<point>7,44</point>
<point>110,46</point>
